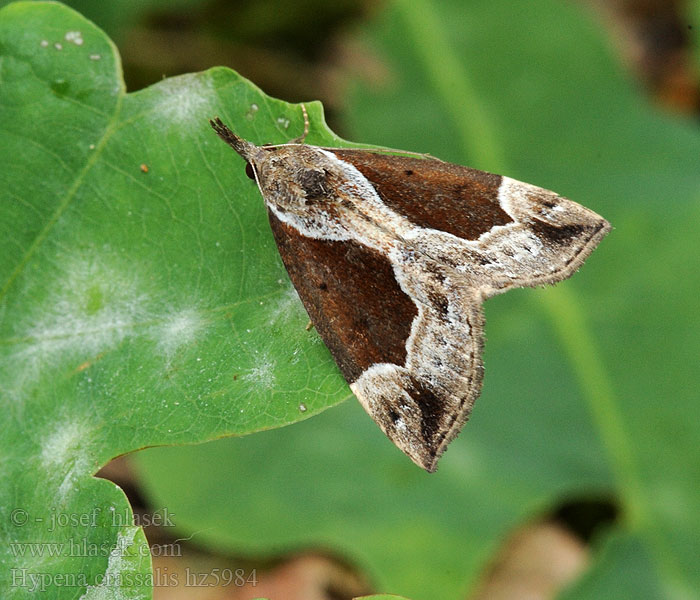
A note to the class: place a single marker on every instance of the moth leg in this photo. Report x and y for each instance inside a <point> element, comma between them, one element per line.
<point>302,137</point>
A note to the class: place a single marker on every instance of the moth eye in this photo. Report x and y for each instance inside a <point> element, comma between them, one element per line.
<point>249,171</point>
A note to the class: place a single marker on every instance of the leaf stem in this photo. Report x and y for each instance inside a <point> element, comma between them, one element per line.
<point>573,331</point>
<point>570,325</point>
<point>477,132</point>
<point>475,127</point>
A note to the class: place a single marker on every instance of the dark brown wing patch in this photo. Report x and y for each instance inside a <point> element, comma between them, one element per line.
<point>443,196</point>
<point>352,297</point>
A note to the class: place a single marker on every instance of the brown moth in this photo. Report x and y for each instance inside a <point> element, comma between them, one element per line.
<point>393,255</point>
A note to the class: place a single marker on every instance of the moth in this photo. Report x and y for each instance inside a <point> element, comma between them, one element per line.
<point>393,255</point>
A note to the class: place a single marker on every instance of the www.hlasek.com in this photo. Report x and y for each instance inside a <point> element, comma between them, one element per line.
<point>86,549</point>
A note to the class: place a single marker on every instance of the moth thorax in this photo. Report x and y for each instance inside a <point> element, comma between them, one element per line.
<point>314,184</point>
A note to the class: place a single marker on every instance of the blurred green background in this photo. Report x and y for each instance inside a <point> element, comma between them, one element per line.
<point>590,414</point>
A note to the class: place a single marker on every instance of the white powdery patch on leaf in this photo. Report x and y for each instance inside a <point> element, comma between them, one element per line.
<point>286,307</point>
<point>185,98</point>
<point>63,443</point>
<point>92,305</point>
<point>65,446</point>
<point>118,566</point>
<point>179,329</point>
<point>262,376</point>
<point>79,469</point>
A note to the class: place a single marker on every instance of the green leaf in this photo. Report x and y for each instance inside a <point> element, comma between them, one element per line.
<point>591,387</point>
<point>142,299</point>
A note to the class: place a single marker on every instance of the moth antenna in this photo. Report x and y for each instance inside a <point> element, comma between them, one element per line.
<point>243,147</point>
<point>302,137</point>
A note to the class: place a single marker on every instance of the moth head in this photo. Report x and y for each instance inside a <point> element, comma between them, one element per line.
<point>292,177</point>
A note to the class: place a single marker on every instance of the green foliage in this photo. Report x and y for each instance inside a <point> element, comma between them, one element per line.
<point>562,114</point>
<point>142,299</point>
<point>149,308</point>
<point>590,387</point>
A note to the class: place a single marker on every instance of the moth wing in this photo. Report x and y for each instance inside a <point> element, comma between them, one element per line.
<point>414,374</point>
<point>518,234</point>
<point>432,193</point>
<point>352,297</point>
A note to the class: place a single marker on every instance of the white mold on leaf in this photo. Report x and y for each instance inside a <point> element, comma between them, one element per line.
<point>118,566</point>
<point>178,330</point>
<point>183,99</point>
